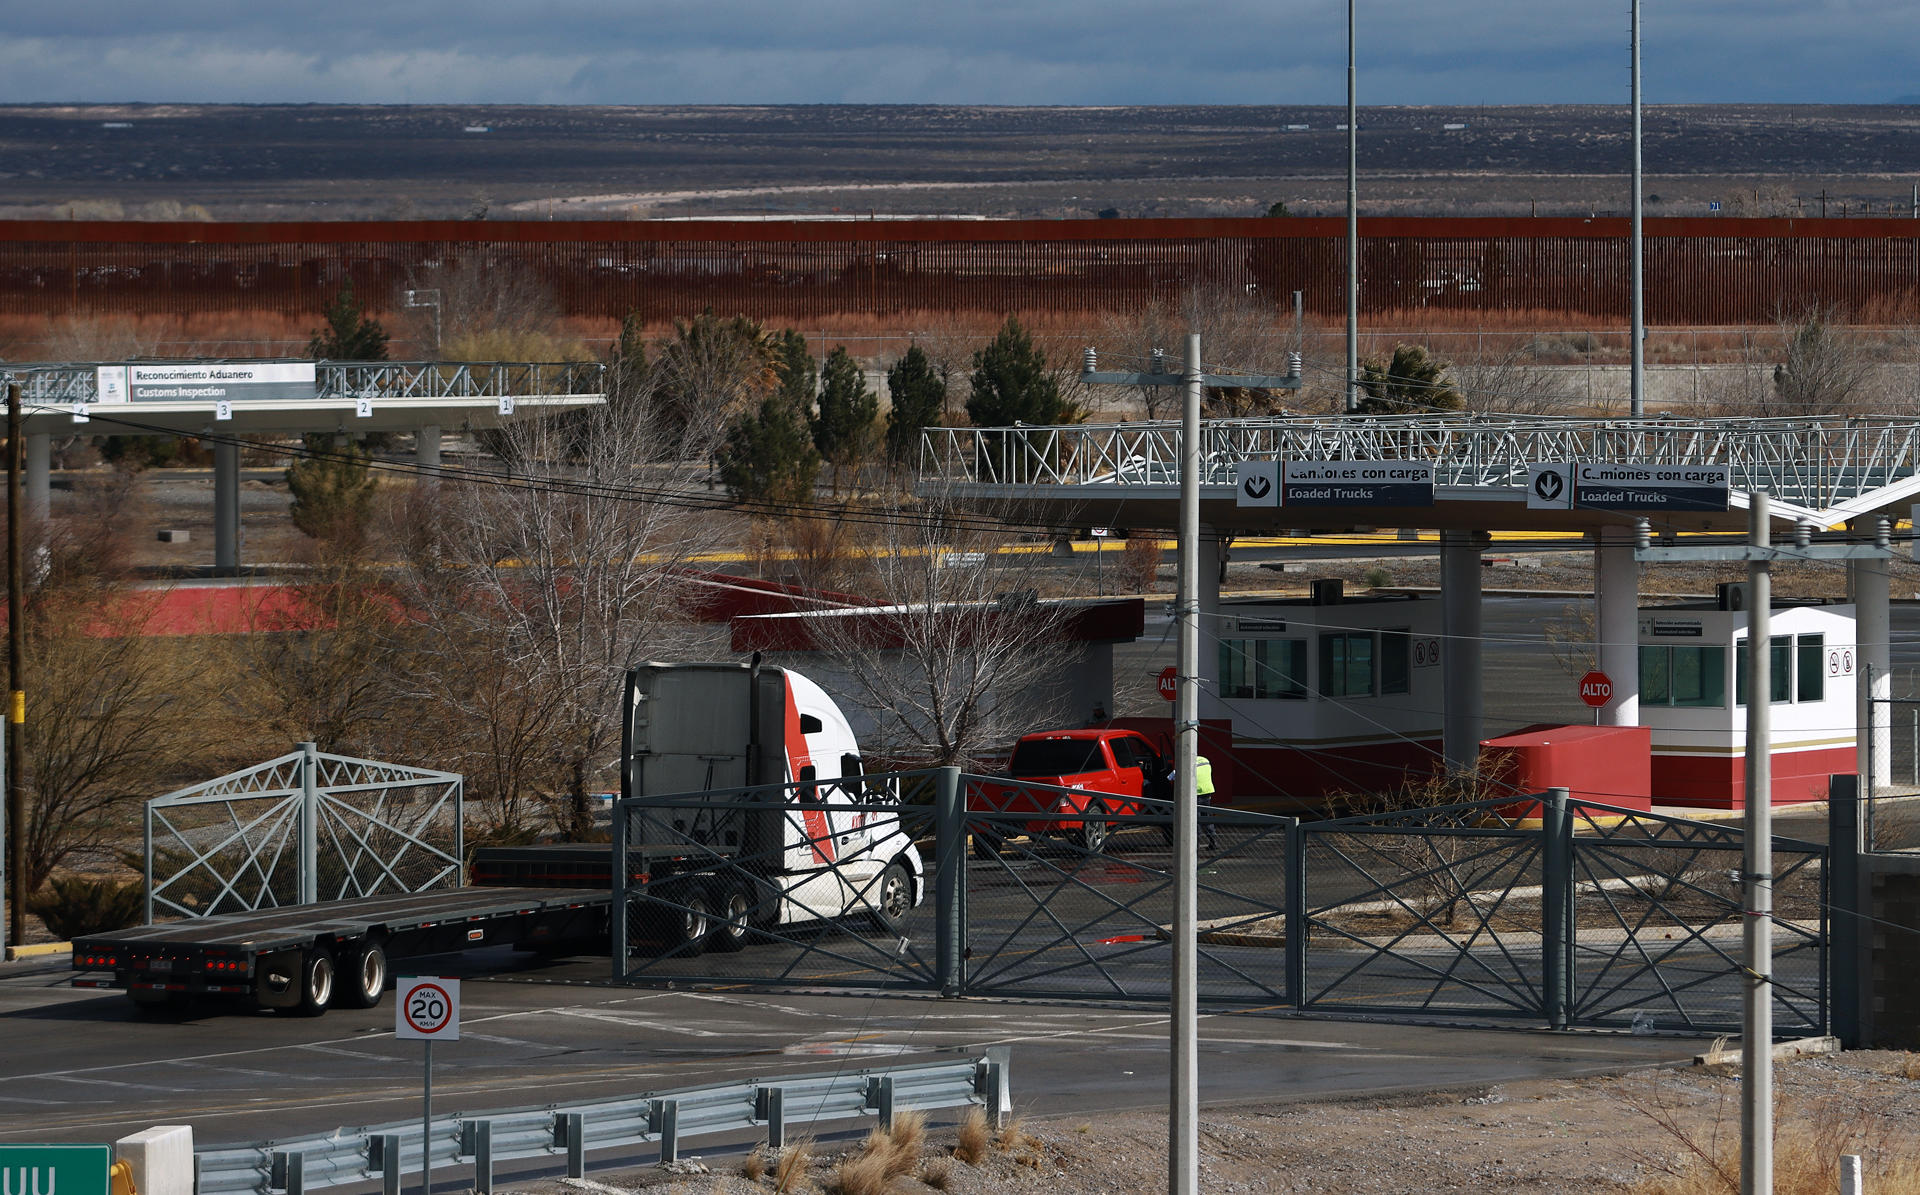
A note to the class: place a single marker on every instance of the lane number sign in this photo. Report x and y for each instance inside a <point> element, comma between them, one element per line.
<point>1596,688</point>
<point>427,1008</point>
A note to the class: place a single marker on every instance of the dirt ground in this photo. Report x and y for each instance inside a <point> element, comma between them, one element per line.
<point>1629,1132</point>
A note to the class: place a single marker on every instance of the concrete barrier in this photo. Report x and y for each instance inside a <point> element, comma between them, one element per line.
<point>161,1157</point>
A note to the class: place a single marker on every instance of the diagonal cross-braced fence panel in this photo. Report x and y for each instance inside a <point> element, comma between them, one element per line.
<point>1062,905</point>
<point>1521,908</point>
<point>305,827</point>
<point>1656,925</point>
<point>1424,911</point>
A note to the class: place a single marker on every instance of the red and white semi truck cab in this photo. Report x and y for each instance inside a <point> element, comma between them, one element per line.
<point>833,846</point>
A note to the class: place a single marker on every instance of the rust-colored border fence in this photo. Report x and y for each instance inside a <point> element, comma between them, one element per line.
<point>1699,271</point>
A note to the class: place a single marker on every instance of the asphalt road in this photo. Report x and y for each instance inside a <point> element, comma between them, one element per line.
<point>82,1065</point>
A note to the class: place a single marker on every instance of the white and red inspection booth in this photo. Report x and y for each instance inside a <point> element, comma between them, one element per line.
<point>1693,695</point>
<point>1329,693</point>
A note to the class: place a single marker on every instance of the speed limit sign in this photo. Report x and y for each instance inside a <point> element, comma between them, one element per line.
<point>428,1009</point>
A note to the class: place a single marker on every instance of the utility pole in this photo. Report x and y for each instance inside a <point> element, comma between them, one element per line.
<point>1756,1021</point>
<point>1183,1144</point>
<point>1351,398</point>
<point>16,685</point>
<point>1183,1111</point>
<point>1638,404</point>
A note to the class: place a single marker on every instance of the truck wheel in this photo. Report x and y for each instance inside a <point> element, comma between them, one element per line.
<point>1093,829</point>
<point>733,906</point>
<point>892,897</point>
<point>365,976</point>
<point>317,975</point>
<point>688,928</point>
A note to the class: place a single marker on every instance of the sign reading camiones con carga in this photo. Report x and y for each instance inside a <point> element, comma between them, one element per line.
<point>55,1169</point>
<point>1356,483</point>
<point>1651,487</point>
<point>1334,483</point>
<point>208,381</point>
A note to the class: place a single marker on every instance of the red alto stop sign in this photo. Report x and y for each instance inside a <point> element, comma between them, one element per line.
<point>1169,683</point>
<point>1596,688</point>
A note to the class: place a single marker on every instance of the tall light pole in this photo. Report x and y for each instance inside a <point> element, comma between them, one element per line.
<point>1352,396</point>
<point>1638,373</point>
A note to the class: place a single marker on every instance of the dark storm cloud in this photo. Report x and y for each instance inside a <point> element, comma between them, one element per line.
<point>1069,52</point>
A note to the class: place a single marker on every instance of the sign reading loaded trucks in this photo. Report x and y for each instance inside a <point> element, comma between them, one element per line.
<point>1566,485</point>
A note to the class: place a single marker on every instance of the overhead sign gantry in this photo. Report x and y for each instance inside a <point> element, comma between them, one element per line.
<point>226,399</point>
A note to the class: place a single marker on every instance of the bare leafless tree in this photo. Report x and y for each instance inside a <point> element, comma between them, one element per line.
<point>965,652</point>
<point>1239,333</point>
<point>110,703</point>
<point>1503,377</point>
<point>1812,364</point>
<point>537,591</point>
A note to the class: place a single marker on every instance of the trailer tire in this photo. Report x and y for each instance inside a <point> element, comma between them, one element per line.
<point>892,899</point>
<point>733,908</point>
<point>317,982</point>
<point>687,929</point>
<point>364,971</point>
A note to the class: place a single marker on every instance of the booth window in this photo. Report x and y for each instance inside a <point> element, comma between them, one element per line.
<point>1779,668</point>
<point>1693,677</point>
<point>1396,660</point>
<point>1346,665</point>
<point>1812,650</point>
<point>1263,669</point>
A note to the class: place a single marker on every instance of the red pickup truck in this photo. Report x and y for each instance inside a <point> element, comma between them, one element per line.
<point>1107,771</point>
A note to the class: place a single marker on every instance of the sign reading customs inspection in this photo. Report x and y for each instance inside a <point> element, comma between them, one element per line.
<point>56,1169</point>
<point>426,1008</point>
<point>207,381</point>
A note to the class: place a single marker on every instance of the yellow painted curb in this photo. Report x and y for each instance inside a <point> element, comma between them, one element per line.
<point>40,950</point>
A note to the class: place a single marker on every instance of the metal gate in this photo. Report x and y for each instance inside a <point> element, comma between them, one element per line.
<point>1655,918</point>
<point>305,827</point>
<point>1516,909</point>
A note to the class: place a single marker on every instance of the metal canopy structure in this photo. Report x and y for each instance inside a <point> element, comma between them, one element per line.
<point>1844,474</point>
<point>1826,470</point>
<point>349,398</point>
<point>403,396</point>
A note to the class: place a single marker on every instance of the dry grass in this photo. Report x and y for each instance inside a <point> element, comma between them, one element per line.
<point>973,1137</point>
<point>1809,1138</point>
<point>790,1170</point>
<point>887,1154</point>
<point>754,1168</point>
<point>1012,1137</point>
<point>937,1174</point>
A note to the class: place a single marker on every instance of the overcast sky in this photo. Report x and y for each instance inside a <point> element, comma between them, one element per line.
<point>989,51</point>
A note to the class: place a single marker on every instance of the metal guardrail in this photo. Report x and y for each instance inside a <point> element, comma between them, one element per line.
<point>1815,463</point>
<point>387,1152</point>
<point>65,383</point>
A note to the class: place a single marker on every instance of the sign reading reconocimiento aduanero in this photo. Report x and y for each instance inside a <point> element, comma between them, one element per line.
<point>207,381</point>
<point>1334,483</point>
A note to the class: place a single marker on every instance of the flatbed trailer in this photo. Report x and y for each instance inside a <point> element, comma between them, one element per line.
<point>306,958</point>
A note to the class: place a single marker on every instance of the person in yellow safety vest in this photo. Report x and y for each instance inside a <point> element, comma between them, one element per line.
<point>1203,798</point>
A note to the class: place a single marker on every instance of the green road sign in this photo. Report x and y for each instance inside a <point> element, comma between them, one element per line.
<point>55,1169</point>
